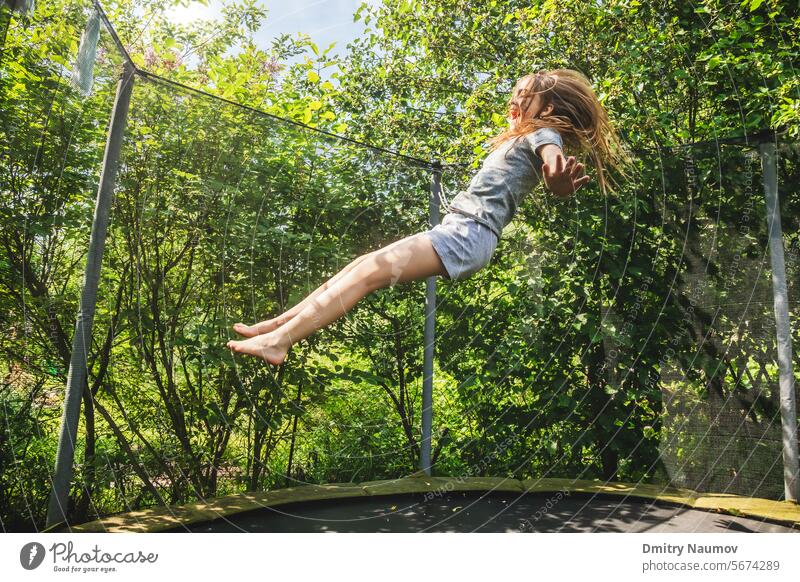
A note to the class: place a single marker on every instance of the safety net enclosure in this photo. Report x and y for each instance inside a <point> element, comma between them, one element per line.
<point>616,367</point>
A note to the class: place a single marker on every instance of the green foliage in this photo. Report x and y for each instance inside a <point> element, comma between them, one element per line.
<point>553,361</point>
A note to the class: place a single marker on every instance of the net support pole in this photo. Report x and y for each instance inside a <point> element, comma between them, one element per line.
<point>430,333</point>
<point>791,476</point>
<point>81,341</point>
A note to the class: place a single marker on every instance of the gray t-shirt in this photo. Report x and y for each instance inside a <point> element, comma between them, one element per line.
<point>508,174</point>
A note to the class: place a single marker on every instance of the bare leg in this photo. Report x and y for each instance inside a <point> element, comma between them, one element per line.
<point>409,259</point>
<point>268,325</point>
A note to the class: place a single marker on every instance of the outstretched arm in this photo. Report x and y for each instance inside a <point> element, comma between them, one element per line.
<point>562,178</point>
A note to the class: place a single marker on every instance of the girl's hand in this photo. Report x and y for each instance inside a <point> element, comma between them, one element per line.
<point>563,178</point>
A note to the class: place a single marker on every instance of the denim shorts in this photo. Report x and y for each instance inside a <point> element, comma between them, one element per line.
<point>464,245</point>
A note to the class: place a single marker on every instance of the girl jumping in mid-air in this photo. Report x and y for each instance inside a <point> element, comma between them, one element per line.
<point>545,110</point>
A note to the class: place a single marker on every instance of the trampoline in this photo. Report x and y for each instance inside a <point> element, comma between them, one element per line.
<point>425,504</point>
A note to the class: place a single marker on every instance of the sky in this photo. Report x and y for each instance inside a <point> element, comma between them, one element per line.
<point>325,21</point>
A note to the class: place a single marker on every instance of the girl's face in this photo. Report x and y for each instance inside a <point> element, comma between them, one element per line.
<point>525,103</point>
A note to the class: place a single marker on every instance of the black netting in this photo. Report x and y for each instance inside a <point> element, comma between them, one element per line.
<point>722,426</point>
<point>624,336</point>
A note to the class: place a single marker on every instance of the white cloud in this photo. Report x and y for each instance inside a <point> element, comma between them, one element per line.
<point>194,11</point>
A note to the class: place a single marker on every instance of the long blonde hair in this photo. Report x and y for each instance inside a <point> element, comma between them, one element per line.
<point>577,115</point>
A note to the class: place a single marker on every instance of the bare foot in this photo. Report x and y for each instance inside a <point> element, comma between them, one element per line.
<point>264,346</point>
<point>265,326</point>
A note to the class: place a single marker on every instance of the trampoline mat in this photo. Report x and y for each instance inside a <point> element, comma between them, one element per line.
<point>484,512</point>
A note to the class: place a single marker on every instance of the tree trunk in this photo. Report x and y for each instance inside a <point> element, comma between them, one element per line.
<point>89,471</point>
<point>294,436</point>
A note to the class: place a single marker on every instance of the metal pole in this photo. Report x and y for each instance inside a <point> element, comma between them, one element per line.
<point>791,477</point>
<point>430,333</point>
<point>81,341</point>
